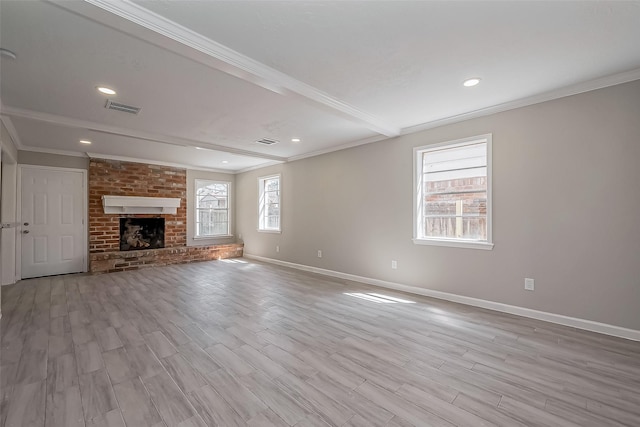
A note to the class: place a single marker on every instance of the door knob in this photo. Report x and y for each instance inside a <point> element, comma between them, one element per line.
<point>25,231</point>
<point>26,223</point>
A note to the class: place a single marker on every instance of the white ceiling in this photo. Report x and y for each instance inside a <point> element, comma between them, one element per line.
<point>221,75</point>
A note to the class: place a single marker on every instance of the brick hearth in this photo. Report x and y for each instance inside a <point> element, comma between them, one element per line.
<point>115,178</point>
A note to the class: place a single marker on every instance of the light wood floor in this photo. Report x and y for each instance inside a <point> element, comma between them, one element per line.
<point>239,343</point>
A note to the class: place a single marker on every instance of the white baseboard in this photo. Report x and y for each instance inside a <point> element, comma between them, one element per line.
<point>559,319</point>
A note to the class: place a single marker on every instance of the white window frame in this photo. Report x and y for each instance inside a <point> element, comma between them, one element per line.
<point>418,237</point>
<point>261,204</point>
<point>197,183</point>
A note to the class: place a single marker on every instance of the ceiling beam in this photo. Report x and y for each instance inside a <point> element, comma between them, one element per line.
<point>116,130</point>
<point>224,59</point>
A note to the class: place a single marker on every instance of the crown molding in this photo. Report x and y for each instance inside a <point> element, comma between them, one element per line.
<point>8,124</point>
<point>116,130</point>
<point>563,92</point>
<point>157,163</point>
<point>583,87</point>
<point>54,151</point>
<point>339,147</point>
<point>256,167</point>
<point>235,63</point>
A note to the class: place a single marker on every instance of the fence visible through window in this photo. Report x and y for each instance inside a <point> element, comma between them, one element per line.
<point>453,191</point>
<point>212,208</point>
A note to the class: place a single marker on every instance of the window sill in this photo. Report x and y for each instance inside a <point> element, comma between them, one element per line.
<point>217,236</point>
<point>269,231</point>
<point>467,244</point>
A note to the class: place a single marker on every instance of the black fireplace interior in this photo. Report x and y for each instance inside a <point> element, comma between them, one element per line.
<point>141,233</point>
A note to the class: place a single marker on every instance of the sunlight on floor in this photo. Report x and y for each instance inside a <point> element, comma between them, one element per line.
<point>379,298</point>
<point>234,261</point>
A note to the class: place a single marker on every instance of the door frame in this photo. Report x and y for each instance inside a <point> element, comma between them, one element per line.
<point>85,219</point>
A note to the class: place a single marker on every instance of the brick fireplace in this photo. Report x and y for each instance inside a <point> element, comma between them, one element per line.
<point>116,178</point>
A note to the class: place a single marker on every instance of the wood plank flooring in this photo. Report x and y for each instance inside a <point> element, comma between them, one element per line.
<point>237,343</point>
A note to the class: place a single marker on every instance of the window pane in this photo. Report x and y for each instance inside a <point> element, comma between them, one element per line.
<point>273,222</point>
<point>456,158</point>
<point>212,208</point>
<point>454,192</point>
<point>272,184</point>
<point>269,204</point>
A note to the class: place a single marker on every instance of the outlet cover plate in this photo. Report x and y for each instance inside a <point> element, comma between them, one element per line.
<point>528,284</point>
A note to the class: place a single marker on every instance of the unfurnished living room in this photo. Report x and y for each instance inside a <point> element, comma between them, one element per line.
<point>319,213</point>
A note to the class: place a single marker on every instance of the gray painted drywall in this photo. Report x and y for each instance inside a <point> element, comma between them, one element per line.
<point>566,210</point>
<point>52,160</point>
<point>192,175</point>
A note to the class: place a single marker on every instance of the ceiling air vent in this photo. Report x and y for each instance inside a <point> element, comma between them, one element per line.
<point>266,141</point>
<point>122,107</point>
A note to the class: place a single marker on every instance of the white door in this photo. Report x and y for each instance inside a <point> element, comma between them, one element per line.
<point>52,211</point>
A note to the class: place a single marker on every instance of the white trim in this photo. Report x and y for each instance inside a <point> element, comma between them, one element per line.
<point>351,144</point>
<point>588,325</point>
<point>575,89</point>
<point>252,168</point>
<point>54,151</point>
<point>155,162</point>
<point>85,214</point>
<point>221,236</point>
<point>261,181</point>
<point>467,244</point>
<point>140,205</point>
<point>116,130</point>
<point>240,65</point>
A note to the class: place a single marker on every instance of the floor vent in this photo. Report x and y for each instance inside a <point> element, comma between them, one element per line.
<point>122,107</point>
<point>266,141</point>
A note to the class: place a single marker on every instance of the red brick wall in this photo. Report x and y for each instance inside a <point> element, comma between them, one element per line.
<point>115,178</point>
<point>107,262</point>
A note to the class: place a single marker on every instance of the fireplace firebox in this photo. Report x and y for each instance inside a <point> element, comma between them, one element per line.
<point>141,233</point>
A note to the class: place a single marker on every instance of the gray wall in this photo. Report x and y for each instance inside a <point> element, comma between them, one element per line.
<point>52,160</point>
<point>566,210</point>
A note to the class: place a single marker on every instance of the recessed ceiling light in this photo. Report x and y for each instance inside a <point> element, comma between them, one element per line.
<point>85,141</point>
<point>7,53</point>
<point>295,139</point>
<point>225,161</point>
<point>471,82</point>
<point>106,90</point>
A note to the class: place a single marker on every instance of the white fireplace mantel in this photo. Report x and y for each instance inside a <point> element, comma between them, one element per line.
<point>140,205</point>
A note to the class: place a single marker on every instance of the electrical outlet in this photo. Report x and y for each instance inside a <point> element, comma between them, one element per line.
<point>319,254</point>
<point>394,264</point>
<point>240,236</point>
<point>528,284</point>
<point>277,248</point>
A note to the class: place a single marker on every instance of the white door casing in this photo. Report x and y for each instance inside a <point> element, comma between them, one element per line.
<point>52,206</point>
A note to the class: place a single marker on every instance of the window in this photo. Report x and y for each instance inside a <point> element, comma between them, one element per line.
<point>269,203</point>
<point>453,193</point>
<point>212,208</point>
